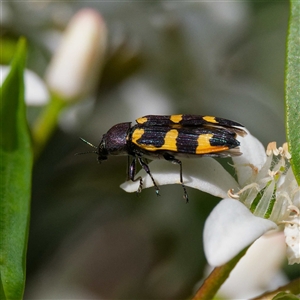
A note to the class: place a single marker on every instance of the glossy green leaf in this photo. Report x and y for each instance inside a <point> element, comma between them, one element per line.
<point>15,186</point>
<point>292,87</point>
<point>285,296</point>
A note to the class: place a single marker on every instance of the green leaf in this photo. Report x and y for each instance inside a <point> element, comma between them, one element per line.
<point>285,296</point>
<point>292,87</point>
<point>15,185</point>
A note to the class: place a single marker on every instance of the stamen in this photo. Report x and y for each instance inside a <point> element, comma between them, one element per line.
<point>232,195</point>
<point>254,169</point>
<point>272,148</point>
<point>294,209</point>
<point>289,222</point>
<point>285,151</point>
<point>272,174</point>
<point>247,187</point>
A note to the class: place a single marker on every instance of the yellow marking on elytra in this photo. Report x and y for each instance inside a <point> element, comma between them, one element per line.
<point>204,145</point>
<point>141,120</point>
<point>137,134</point>
<point>210,119</point>
<point>169,141</point>
<point>176,118</point>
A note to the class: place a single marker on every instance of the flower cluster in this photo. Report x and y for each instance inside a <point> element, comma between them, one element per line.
<point>270,191</point>
<point>264,197</point>
<point>273,193</point>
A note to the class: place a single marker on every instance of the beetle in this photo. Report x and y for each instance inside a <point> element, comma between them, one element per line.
<point>169,137</point>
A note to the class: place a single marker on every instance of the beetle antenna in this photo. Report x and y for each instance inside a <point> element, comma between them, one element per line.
<point>90,144</point>
<point>79,153</point>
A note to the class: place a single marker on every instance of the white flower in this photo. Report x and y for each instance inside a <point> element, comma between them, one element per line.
<point>244,282</point>
<point>74,69</point>
<point>266,188</point>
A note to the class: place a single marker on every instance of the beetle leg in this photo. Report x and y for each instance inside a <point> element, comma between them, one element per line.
<point>131,174</point>
<point>146,168</point>
<point>128,168</point>
<point>174,160</point>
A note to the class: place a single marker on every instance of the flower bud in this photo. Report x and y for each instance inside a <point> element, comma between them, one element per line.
<point>75,67</point>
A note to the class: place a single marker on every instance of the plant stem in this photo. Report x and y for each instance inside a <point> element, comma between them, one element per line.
<point>46,124</point>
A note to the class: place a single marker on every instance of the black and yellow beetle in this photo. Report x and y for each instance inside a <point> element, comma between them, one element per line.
<point>169,138</point>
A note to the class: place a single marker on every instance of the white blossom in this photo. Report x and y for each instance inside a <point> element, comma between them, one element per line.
<point>244,282</point>
<point>264,197</point>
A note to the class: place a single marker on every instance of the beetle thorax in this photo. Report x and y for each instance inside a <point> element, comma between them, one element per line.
<point>114,142</point>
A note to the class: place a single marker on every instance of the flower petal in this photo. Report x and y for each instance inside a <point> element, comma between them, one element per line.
<point>204,174</point>
<point>253,154</point>
<point>292,239</point>
<point>244,283</point>
<point>229,229</point>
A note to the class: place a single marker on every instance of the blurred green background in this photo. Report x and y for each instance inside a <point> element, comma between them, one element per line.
<point>88,238</point>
